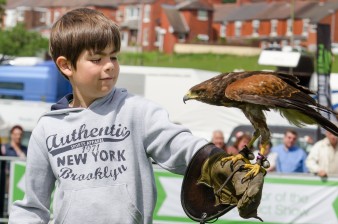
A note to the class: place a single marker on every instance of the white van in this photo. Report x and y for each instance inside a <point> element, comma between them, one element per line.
<point>20,112</point>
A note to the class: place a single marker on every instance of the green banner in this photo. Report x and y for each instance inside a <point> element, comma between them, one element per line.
<point>285,199</point>
<point>17,181</point>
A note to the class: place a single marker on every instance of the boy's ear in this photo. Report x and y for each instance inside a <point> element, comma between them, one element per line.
<point>64,65</point>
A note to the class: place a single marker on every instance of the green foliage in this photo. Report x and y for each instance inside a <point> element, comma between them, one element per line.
<point>20,42</point>
<point>228,1</point>
<point>210,62</point>
<point>2,10</point>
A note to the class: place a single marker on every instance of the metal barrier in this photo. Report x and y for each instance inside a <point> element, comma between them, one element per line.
<point>3,182</point>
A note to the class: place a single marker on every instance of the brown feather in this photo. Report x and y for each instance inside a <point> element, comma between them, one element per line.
<point>256,91</point>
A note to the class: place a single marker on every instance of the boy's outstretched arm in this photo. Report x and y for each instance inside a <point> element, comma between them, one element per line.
<point>171,146</point>
<point>39,183</point>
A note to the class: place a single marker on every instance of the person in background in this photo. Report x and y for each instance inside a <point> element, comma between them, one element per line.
<point>239,144</point>
<point>218,139</point>
<point>15,147</point>
<point>323,157</point>
<point>271,156</point>
<point>239,134</point>
<point>290,158</point>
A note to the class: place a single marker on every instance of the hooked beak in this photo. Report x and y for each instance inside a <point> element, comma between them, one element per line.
<point>187,97</point>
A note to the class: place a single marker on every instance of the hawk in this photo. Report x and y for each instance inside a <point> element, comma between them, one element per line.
<point>254,92</point>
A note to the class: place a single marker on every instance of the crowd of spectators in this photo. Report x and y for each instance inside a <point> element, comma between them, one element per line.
<point>319,158</point>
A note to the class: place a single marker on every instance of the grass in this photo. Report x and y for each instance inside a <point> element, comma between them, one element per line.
<point>210,62</point>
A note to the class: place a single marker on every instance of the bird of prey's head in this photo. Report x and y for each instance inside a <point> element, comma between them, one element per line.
<point>201,92</point>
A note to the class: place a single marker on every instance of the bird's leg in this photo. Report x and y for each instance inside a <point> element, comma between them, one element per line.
<point>255,135</point>
<point>254,169</point>
<point>261,161</point>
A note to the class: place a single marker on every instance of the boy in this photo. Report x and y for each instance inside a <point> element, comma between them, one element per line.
<point>95,145</point>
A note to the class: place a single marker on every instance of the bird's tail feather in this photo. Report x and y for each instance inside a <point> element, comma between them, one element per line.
<point>300,116</point>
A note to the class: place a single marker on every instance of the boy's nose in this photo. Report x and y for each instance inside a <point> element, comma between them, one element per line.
<point>109,65</point>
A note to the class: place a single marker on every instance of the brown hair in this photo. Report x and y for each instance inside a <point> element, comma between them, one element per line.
<point>82,29</point>
<point>16,127</point>
<point>292,131</point>
<point>243,136</point>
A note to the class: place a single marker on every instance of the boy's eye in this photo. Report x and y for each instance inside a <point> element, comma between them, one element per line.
<point>113,58</point>
<point>96,60</point>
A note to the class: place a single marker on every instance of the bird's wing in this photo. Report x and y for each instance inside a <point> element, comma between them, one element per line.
<point>264,88</point>
<point>276,92</point>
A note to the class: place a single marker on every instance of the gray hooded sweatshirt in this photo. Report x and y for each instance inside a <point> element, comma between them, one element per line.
<point>98,161</point>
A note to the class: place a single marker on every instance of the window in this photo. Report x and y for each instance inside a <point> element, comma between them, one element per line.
<point>119,15</point>
<point>10,18</point>
<point>274,23</point>
<point>10,97</point>
<point>181,37</point>
<point>146,17</point>
<point>12,85</point>
<point>56,16</point>
<point>306,23</point>
<point>313,28</point>
<point>132,13</point>
<point>43,17</point>
<point>20,15</point>
<point>223,30</point>
<point>289,28</point>
<point>48,18</point>
<point>145,37</point>
<point>159,36</point>
<point>255,28</point>
<point>202,15</point>
<point>238,28</point>
<point>203,37</point>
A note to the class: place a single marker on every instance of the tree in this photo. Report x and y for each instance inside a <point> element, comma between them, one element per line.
<point>2,10</point>
<point>18,41</point>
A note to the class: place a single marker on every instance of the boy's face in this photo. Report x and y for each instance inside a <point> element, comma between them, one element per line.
<point>95,75</point>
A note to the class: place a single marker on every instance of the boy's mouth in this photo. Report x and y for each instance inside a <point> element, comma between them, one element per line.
<point>107,78</point>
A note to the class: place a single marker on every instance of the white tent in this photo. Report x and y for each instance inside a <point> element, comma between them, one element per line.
<point>19,112</point>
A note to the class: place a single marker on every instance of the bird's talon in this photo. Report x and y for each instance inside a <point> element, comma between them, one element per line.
<point>254,169</point>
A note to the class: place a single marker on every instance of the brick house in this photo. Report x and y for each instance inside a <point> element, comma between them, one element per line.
<point>189,21</point>
<point>139,22</point>
<point>46,12</point>
<point>270,22</point>
<point>159,24</point>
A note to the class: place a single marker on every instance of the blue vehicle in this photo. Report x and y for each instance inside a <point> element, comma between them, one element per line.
<point>40,82</point>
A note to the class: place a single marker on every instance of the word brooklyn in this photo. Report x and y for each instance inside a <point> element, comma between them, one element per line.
<point>99,173</point>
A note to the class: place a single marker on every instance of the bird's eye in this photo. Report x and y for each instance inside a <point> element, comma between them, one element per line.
<point>199,91</point>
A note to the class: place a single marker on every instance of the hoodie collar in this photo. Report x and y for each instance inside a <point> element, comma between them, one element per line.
<point>63,103</point>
